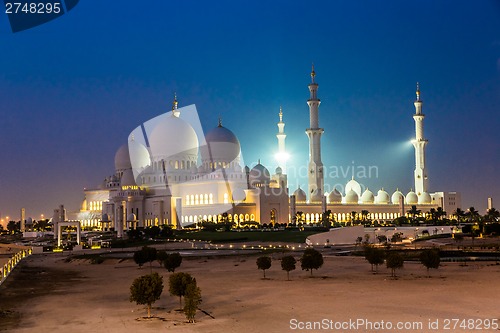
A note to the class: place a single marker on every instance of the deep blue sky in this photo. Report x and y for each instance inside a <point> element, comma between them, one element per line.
<point>72,90</point>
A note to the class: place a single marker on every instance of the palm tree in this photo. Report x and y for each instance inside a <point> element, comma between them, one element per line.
<point>492,215</point>
<point>440,213</point>
<point>364,215</point>
<point>472,215</point>
<point>299,216</point>
<point>414,212</point>
<point>326,218</point>
<point>460,214</point>
<point>353,216</point>
<point>433,215</point>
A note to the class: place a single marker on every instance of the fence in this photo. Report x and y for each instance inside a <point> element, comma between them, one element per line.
<point>9,266</point>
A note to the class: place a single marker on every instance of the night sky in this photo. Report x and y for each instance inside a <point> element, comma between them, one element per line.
<point>73,89</point>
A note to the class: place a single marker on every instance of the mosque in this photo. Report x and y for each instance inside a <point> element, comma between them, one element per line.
<point>170,173</point>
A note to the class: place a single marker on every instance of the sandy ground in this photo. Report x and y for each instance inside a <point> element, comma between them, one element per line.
<point>48,294</point>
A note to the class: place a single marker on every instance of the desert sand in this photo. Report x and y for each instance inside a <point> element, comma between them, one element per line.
<point>47,293</point>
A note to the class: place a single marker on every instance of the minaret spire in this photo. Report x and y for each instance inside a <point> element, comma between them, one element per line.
<point>175,110</point>
<point>281,156</point>
<point>314,132</point>
<point>419,143</point>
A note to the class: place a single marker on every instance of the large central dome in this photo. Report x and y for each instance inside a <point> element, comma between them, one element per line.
<point>173,138</point>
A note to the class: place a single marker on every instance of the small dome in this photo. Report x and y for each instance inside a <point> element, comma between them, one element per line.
<point>351,197</point>
<point>222,145</point>
<point>122,158</point>
<point>300,195</point>
<point>139,156</point>
<point>29,220</point>
<point>279,171</point>
<point>353,185</point>
<point>239,194</point>
<point>259,175</point>
<point>127,178</point>
<point>105,218</point>
<point>395,197</point>
<point>411,198</point>
<point>131,217</point>
<point>367,196</point>
<point>173,138</point>
<point>424,198</point>
<point>335,196</point>
<point>382,197</point>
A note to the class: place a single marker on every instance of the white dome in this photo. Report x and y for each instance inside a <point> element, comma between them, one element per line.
<point>222,146</point>
<point>395,197</point>
<point>351,197</point>
<point>424,198</point>
<point>382,197</point>
<point>411,198</point>
<point>300,195</point>
<point>239,194</point>
<point>279,171</point>
<point>172,139</point>
<point>353,185</point>
<point>259,175</point>
<point>335,196</point>
<point>367,196</point>
<point>139,156</point>
<point>122,158</point>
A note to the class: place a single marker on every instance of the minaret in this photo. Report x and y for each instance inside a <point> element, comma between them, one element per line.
<point>419,143</point>
<point>281,156</point>
<point>175,110</point>
<point>316,179</point>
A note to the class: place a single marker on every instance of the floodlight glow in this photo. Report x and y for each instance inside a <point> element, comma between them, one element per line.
<point>282,157</point>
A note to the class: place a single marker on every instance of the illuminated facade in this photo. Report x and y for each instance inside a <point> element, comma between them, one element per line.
<point>170,172</point>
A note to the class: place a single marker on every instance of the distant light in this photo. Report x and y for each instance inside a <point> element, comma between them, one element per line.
<point>282,157</point>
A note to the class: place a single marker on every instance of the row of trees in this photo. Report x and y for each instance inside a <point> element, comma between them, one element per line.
<point>311,259</point>
<point>394,260</point>
<point>147,289</point>
<point>171,261</point>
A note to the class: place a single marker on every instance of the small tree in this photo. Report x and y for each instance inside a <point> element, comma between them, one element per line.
<point>288,264</point>
<point>311,259</point>
<point>394,261</point>
<point>430,259</point>
<point>146,289</point>
<point>374,256</point>
<point>144,255</point>
<point>150,255</point>
<point>172,261</point>
<point>192,300</point>
<point>359,240</point>
<point>264,263</point>
<point>178,283</point>
<point>161,256</point>
<point>140,258</point>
